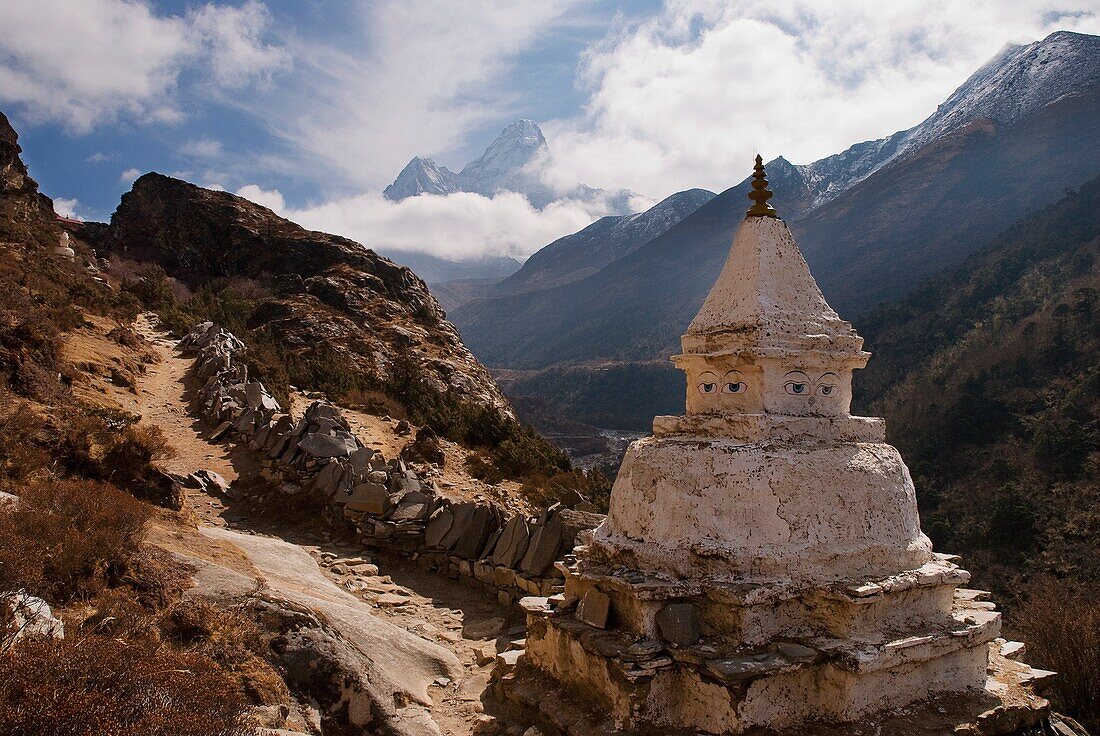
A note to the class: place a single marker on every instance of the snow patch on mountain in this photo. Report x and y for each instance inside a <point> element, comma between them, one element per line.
<point>1018,81</point>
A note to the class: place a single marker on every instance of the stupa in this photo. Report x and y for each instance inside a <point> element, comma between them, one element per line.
<point>762,564</point>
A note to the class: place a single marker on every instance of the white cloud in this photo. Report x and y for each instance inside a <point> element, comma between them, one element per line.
<point>66,208</point>
<point>98,157</point>
<point>128,176</point>
<point>456,227</point>
<point>685,98</point>
<point>426,74</point>
<point>272,199</point>
<point>202,148</point>
<point>85,63</point>
<point>232,39</point>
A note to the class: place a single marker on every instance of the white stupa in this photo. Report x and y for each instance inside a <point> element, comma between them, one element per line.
<point>762,564</point>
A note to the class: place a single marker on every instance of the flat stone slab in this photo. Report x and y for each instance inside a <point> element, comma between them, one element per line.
<point>476,532</point>
<point>594,608</point>
<point>512,545</point>
<point>463,514</point>
<point>544,546</point>
<point>340,444</point>
<point>438,526</point>
<point>739,669</point>
<point>679,624</point>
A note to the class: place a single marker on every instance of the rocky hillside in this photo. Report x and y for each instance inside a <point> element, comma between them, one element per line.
<point>48,281</point>
<point>316,292</point>
<point>989,380</point>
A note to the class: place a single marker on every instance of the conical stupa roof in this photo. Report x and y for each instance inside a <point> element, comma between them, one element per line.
<point>766,300</point>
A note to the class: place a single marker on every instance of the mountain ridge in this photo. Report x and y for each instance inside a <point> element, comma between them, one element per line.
<point>864,245</point>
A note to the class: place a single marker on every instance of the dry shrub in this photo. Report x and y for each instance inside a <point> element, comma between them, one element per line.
<point>20,456</point>
<point>126,337</point>
<point>69,539</point>
<point>124,454</point>
<point>157,577</point>
<point>131,455</point>
<point>1062,631</point>
<point>231,638</point>
<point>374,402</point>
<point>120,615</point>
<point>99,685</point>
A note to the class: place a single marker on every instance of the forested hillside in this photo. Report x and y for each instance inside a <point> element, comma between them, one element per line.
<point>989,380</point>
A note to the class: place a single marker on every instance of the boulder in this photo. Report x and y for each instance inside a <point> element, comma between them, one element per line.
<point>369,498</point>
<point>341,444</point>
<point>31,618</point>
<point>257,397</point>
<point>210,481</point>
<point>575,521</point>
<point>328,480</point>
<point>360,460</point>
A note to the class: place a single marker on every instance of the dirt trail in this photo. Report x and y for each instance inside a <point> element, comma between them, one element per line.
<point>462,617</point>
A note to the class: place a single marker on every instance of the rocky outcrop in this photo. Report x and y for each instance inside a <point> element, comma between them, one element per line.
<point>324,292</point>
<point>365,674</point>
<point>26,216</point>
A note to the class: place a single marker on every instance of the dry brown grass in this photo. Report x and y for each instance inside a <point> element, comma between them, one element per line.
<point>1062,631</point>
<point>231,638</point>
<point>20,455</point>
<point>93,684</point>
<point>69,539</point>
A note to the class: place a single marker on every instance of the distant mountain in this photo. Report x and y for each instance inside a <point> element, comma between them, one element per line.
<point>1017,82</point>
<point>932,196</point>
<point>583,253</point>
<point>421,176</point>
<point>507,162</point>
<point>435,270</point>
<point>516,161</point>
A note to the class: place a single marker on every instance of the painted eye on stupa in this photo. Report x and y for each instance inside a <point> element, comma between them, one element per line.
<point>732,383</point>
<point>796,383</point>
<point>707,388</point>
<point>826,385</point>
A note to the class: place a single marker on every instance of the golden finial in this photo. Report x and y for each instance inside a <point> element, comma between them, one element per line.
<point>760,193</point>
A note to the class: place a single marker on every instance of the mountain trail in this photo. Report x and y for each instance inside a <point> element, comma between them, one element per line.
<point>424,636</point>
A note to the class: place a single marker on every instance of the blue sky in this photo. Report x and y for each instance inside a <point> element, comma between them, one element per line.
<point>313,107</point>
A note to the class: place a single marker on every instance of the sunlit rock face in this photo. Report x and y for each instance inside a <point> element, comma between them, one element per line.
<point>767,477</point>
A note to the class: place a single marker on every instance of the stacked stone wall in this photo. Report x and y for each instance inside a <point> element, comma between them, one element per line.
<point>387,503</point>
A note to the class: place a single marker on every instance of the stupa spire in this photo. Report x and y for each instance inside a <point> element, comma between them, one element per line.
<point>760,193</point>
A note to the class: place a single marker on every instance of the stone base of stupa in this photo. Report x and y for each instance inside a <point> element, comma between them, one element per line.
<point>637,655</point>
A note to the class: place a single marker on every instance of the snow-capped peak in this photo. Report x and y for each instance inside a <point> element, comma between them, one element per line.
<point>503,162</point>
<point>421,176</point>
<point>1018,81</point>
